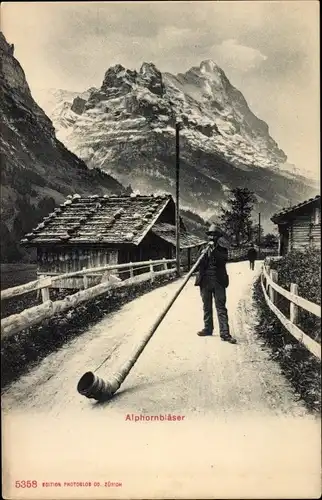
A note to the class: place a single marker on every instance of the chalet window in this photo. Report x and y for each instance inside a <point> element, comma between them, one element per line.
<point>317,216</point>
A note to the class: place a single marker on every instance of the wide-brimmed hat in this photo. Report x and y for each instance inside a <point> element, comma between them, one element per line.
<point>214,229</point>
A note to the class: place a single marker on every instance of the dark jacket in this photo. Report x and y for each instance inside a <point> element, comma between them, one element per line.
<point>220,256</point>
<point>252,254</point>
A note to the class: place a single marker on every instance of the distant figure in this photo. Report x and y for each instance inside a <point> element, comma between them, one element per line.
<point>213,280</point>
<point>252,256</point>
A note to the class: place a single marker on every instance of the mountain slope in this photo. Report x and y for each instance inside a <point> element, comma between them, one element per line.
<point>126,128</point>
<point>63,106</point>
<point>37,171</point>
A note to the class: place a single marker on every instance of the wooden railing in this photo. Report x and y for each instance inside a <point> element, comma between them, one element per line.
<point>270,287</point>
<point>34,315</point>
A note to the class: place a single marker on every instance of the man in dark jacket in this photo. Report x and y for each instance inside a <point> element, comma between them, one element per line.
<point>213,281</point>
<point>252,256</point>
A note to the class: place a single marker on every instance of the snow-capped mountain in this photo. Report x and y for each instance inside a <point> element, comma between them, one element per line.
<point>62,105</point>
<point>127,128</point>
<point>291,169</point>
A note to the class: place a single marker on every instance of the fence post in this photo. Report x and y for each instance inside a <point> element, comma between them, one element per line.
<point>272,292</point>
<point>294,310</point>
<point>44,291</point>
<point>151,271</point>
<point>45,294</point>
<point>267,268</point>
<point>85,279</point>
<point>189,258</point>
<point>131,270</point>
<point>165,265</point>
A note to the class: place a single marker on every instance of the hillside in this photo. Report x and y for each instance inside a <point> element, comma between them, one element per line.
<point>37,170</point>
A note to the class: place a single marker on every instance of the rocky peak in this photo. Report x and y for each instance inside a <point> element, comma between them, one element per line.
<point>210,72</point>
<point>208,104</point>
<point>119,81</point>
<point>152,78</point>
<point>119,78</point>
<point>78,105</point>
<point>5,47</point>
<point>90,90</point>
<point>209,66</point>
<point>148,69</point>
<point>16,90</point>
<point>11,72</point>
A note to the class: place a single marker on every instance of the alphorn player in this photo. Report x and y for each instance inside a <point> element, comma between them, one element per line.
<point>212,278</point>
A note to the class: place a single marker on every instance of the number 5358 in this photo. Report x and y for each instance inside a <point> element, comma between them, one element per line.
<point>26,484</point>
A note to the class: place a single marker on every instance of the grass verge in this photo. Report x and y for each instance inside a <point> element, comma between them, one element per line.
<point>301,368</point>
<point>24,350</point>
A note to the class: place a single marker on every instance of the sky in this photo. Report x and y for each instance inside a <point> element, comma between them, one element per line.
<point>268,50</point>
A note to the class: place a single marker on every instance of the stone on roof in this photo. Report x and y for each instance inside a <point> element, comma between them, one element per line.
<point>89,219</point>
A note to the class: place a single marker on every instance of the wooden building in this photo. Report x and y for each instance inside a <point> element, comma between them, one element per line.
<point>299,226</point>
<point>94,231</point>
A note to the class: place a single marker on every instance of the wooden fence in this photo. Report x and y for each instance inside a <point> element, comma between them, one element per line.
<point>270,287</point>
<point>108,281</point>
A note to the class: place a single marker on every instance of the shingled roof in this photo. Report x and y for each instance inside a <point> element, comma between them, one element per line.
<point>168,233</point>
<point>289,210</point>
<point>99,219</point>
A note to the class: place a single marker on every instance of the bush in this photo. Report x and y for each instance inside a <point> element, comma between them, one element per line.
<point>302,268</point>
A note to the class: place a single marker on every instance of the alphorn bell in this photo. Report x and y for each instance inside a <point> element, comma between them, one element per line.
<point>94,387</point>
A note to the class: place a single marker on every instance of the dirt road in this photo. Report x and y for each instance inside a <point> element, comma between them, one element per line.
<point>241,428</point>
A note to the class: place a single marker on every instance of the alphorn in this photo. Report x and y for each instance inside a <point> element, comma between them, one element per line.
<point>94,387</point>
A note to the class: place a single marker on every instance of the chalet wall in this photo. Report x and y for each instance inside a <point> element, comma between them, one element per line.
<point>303,231</point>
<point>316,236</point>
<point>53,261</point>
<point>60,260</point>
<point>154,248</point>
<point>300,233</point>
<point>306,230</point>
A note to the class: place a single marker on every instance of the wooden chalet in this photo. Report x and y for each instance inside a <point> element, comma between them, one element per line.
<point>94,231</point>
<point>299,226</point>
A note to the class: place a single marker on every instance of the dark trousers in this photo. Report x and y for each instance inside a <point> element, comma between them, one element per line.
<point>209,291</point>
<point>252,264</point>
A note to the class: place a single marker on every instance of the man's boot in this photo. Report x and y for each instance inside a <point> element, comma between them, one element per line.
<point>228,338</point>
<point>204,333</point>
